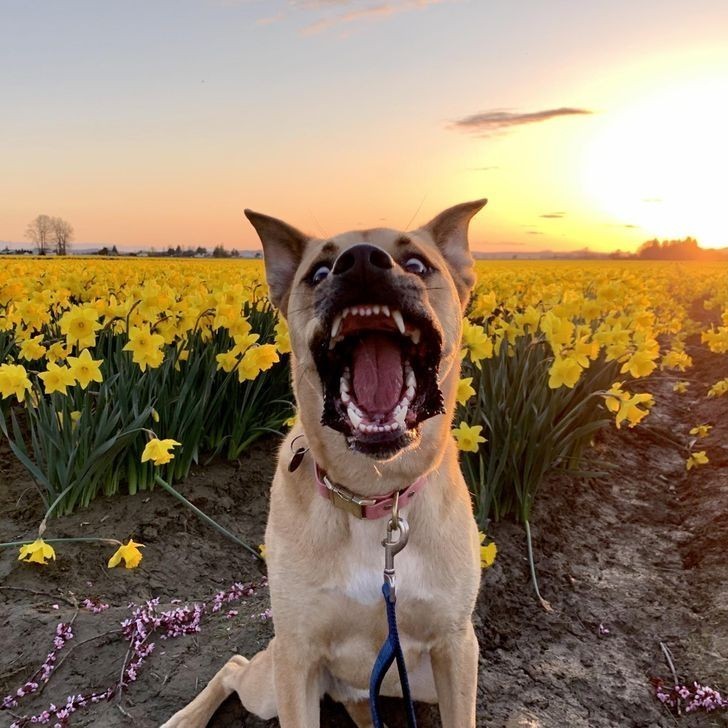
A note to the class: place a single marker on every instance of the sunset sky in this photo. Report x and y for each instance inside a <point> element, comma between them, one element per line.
<point>150,123</point>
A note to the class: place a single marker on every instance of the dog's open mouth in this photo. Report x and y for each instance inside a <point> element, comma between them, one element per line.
<point>378,366</point>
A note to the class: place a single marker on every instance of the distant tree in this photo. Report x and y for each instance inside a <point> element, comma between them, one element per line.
<point>62,234</point>
<point>200,251</point>
<point>102,251</point>
<point>39,231</point>
<point>220,252</point>
<point>685,249</point>
<point>114,250</point>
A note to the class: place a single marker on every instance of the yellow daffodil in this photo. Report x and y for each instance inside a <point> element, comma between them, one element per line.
<point>696,459</point>
<point>719,388</point>
<point>640,364</point>
<point>129,553</point>
<point>465,390</point>
<point>468,437</point>
<point>291,421</point>
<point>255,360</point>
<point>57,378</point>
<point>475,343</point>
<point>283,341</point>
<point>680,387</point>
<point>227,361</point>
<point>488,552</point>
<point>79,325</point>
<point>38,552</point>
<point>263,551</point>
<point>85,369</point>
<point>159,451</point>
<point>565,371</point>
<point>145,347</point>
<point>701,430</point>
<point>32,349</point>
<point>14,381</point>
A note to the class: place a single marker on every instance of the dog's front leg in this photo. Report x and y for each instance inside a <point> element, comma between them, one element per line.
<point>298,686</point>
<point>455,668</point>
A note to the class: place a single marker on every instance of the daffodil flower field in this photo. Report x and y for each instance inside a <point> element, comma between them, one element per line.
<point>99,356</point>
<point>123,381</point>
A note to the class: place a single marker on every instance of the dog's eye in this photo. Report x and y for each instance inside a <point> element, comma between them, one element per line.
<point>320,274</point>
<point>415,265</point>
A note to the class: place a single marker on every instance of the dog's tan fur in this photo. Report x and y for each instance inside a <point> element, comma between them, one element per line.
<point>325,566</point>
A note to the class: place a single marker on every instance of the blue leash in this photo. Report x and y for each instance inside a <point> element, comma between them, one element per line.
<point>391,649</point>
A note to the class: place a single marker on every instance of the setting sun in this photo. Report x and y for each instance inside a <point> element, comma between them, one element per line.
<point>660,162</point>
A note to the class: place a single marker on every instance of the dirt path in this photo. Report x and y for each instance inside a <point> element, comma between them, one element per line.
<point>640,552</point>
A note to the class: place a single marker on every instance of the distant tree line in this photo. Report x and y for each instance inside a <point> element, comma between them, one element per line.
<point>50,234</point>
<point>198,252</point>
<point>685,249</point>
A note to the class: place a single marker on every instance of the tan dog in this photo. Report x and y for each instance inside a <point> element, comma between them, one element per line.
<point>375,323</point>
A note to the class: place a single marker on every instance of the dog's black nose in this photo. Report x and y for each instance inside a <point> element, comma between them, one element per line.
<point>359,259</point>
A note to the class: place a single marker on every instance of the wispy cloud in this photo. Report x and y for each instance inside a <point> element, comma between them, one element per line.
<point>534,232</point>
<point>348,12</point>
<point>553,215</point>
<point>483,169</point>
<point>270,19</point>
<point>490,122</point>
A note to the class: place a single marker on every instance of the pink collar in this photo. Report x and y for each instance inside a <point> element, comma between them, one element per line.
<point>376,506</point>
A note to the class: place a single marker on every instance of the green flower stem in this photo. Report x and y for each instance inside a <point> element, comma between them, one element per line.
<point>160,481</point>
<point>532,566</point>
<point>97,539</point>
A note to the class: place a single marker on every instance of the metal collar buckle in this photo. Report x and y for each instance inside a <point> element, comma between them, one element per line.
<point>345,499</point>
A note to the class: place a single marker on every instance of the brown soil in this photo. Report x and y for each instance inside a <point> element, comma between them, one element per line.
<point>640,552</point>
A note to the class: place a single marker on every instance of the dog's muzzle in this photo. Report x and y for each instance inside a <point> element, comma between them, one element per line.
<point>377,352</point>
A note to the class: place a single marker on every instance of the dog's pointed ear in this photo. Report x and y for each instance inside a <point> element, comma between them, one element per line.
<point>449,231</point>
<point>283,248</point>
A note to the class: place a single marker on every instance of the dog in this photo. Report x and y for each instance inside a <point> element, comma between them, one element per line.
<point>375,326</point>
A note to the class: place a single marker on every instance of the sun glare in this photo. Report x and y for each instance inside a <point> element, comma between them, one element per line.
<point>661,163</point>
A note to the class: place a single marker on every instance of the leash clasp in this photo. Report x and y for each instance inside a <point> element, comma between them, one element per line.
<point>397,524</point>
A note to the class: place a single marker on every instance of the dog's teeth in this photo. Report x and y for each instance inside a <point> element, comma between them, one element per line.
<point>354,417</point>
<point>399,414</point>
<point>344,384</point>
<point>415,336</point>
<point>345,397</point>
<point>385,310</point>
<point>376,309</point>
<point>411,381</point>
<point>345,312</point>
<point>397,316</point>
<point>410,393</point>
<point>336,325</point>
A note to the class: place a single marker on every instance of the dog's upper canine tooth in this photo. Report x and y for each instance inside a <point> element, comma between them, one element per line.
<point>397,316</point>
<point>336,325</point>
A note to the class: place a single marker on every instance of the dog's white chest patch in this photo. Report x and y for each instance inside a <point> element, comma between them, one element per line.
<point>364,585</point>
<point>364,568</point>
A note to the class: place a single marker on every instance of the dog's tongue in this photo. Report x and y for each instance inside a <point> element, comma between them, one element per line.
<point>377,373</point>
